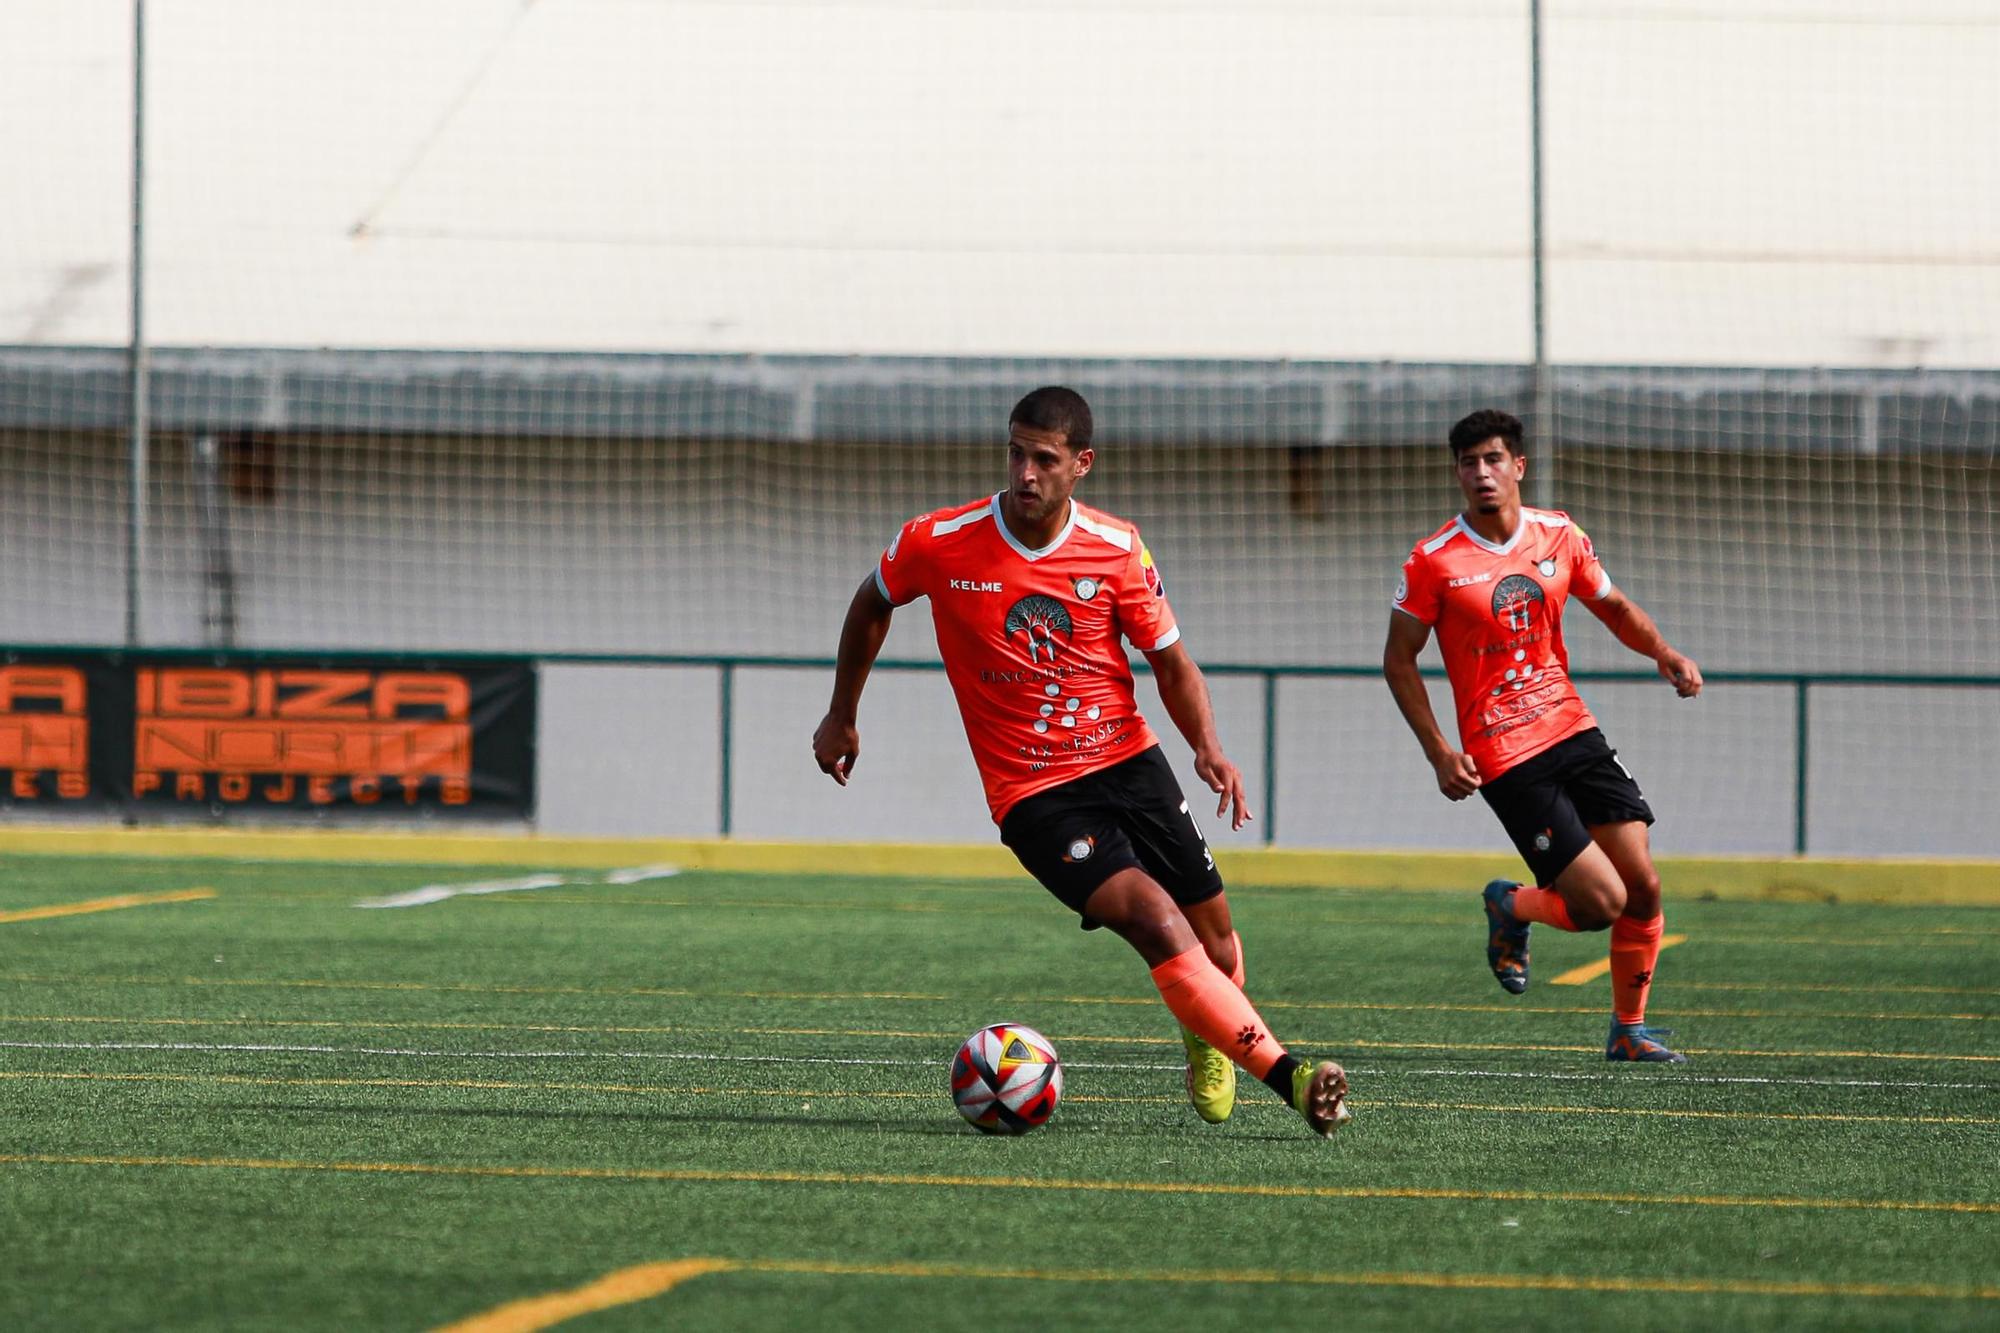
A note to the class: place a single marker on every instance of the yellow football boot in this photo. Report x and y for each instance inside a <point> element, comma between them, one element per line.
<point>1211,1079</point>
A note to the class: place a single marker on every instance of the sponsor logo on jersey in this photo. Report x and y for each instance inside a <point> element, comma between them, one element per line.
<point>972,585</point>
<point>1034,622</point>
<point>1514,601</point>
<point>1151,572</point>
<point>1469,579</point>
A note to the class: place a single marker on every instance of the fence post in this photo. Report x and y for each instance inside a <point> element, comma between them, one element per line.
<point>135,511</point>
<point>1801,759</point>
<point>1270,757</point>
<point>727,712</point>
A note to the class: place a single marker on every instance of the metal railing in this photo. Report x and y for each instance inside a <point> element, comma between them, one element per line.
<point>726,667</point>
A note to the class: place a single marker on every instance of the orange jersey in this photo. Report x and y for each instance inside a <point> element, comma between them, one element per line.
<point>1498,610</point>
<point>1030,638</point>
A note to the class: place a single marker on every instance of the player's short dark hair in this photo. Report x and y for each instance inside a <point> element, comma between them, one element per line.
<point>1483,425</point>
<point>1055,408</point>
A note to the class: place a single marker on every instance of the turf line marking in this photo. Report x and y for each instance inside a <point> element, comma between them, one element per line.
<point>808,1095</point>
<point>1055,1185</point>
<point>644,1281</point>
<point>1349,1044</point>
<point>1577,976</point>
<point>1133,1001</point>
<point>112,904</point>
<point>641,1282</point>
<point>1459,1281</point>
<point>1788,988</point>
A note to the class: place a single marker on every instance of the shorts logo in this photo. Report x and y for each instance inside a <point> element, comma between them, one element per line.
<point>1086,587</point>
<point>1080,850</point>
<point>1514,601</point>
<point>1542,840</point>
<point>1038,619</point>
<point>1548,568</point>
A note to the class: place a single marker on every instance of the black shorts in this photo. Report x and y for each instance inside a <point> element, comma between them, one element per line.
<point>1549,802</point>
<point>1074,837</point>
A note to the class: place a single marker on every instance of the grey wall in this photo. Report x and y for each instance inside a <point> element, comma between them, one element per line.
<point>1892,771</point>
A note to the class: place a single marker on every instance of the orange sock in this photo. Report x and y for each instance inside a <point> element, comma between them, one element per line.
<point>1635,945</point>
<point>1238,975</point>
<point>1210,1005</point>
<point>1544,906</point>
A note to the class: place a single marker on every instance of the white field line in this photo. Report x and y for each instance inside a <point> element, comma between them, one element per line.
<point>437,893</point>
<point>418,1053</point>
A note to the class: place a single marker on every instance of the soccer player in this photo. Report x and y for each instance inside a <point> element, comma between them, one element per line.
<point>1492,582</point>
<point>1030,592</point>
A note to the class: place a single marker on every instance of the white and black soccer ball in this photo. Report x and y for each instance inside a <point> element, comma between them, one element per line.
<point>1006,1079</point>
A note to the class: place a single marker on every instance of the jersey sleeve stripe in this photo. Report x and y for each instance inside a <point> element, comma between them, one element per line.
<point>883,587</point>
<point>1167,640</point>
<point>1118,537</point>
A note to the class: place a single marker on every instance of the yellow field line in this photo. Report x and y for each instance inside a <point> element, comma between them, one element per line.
<point>808,1095</point>
<point>1054,1185</point>
<point>1453,1281</point>
<point>620,1288</point>
<point>1831,988</point>
<point>1576,976</point>
<point>113,904</point>
<point>1907,880</point>
<point>643,1281</point>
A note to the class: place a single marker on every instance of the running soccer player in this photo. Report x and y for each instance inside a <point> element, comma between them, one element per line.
<point>1492,582</point>
<point>1030,592</point>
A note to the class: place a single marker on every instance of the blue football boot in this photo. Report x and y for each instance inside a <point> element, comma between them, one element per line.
<point>1506,938</point>
<point>1637,1042</point>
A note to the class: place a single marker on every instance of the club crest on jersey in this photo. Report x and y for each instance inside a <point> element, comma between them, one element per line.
<point>1038,619</point>
<point>1086,587</point>
<point>1548,568</point>
<point>1151,572</point>
<point>1514,601</point>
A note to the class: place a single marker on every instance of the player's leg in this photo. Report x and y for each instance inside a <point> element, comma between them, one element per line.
<point>1171,847</point>
<point>1210,1076</point>
<point>1635,945</point>
<point>1575,887</point>
<point>1616,812</point>
<point>1134,905</point>
<point>1074,840</point>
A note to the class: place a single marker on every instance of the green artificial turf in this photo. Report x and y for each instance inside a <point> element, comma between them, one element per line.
<point>274,1109</point>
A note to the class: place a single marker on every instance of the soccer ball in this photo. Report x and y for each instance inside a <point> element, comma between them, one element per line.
<point>1006,1079</point>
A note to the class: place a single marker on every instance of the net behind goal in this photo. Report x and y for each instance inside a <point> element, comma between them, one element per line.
<point>604,328</point>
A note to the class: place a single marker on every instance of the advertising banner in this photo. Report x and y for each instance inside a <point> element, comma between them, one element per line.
<point>220,736</point>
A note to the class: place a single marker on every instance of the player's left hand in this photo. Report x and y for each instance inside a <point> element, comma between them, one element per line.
<point>1681,672</point>
<point>1223,779</point>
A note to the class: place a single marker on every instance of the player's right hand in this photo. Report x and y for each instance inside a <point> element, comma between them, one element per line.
<point>1457,774</point>
<point>836,747</point>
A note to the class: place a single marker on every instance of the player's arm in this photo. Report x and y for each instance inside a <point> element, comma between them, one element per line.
<point>1628,621</point>
<point>1184,691</point>
<point>837,742</point>
<point>1457,774</point>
